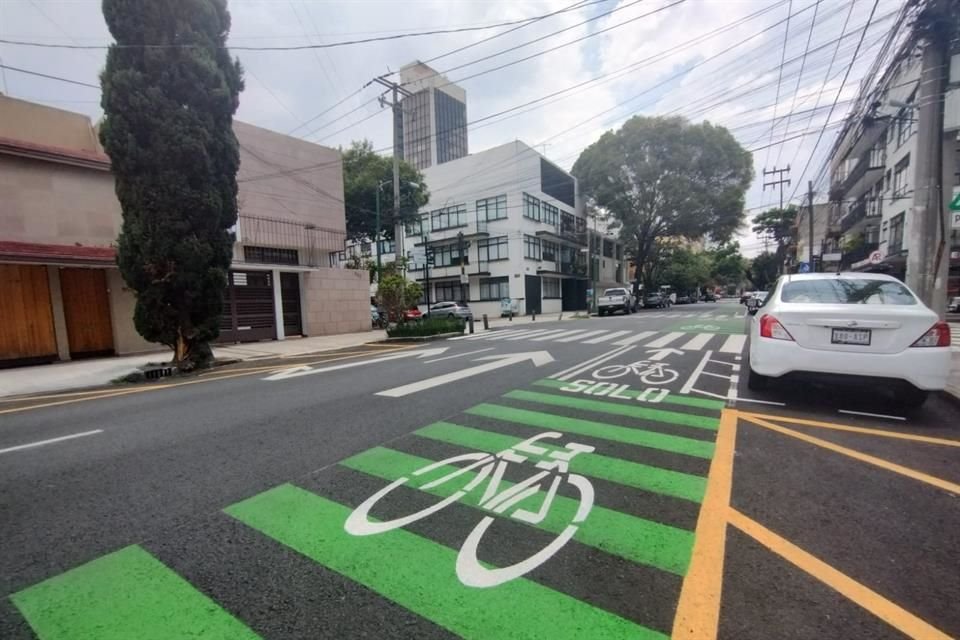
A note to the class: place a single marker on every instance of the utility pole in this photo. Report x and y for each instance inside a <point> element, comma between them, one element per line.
<point>810,222</point>
<point>927,264</point>
<point>779,182</point>
<point>395,103</point>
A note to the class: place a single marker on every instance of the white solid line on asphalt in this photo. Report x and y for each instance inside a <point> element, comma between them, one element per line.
<point>584,363</point>
<point>689,315</point>
<point>664,340</point>
<point>610,336</point>
<point>770,402</point>
<point>581,369</point>
<point>560,335</point>
<point>540,332</point>
<point>871,415</point>
<point>637,337</point>
<point>537,358</point>
<point>584,335</point>
<point>673,315</point>
<point>688,385</point>
<point>500,335</point>
<point>40,443</point>
<point>734,344</point>
<point>458,355</point>
<point>698,342</point>
<point>721,317</point>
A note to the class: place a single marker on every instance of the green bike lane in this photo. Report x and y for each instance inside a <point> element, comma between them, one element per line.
<point>281,563</point>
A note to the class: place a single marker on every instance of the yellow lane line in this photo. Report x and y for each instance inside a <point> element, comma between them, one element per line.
<point>698,611</point>
<point>157,387</point>
<point>843,427</point>
<point>856,455</point>
<point>894,615</point>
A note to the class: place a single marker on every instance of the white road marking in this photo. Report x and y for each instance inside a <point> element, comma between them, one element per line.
<point>41,443</point>
<point>664,340</point>
<point>734,344</point>
<point>689,315</point>
<point>458,355</point>
<point>541,332</point>
<point>560,335</point>
<point>721,317</point>
<point>575,338</point>
<point>538,358</point>
<point>500,335</point>
<point>698,342</point>
<point>688,385</point>
<point>306,370</point>
<point>673,315</point>
<point>580,369</point>
<point>586,362</point>
<point>609,336</point>
<point>770,402</point>
<point>637,337</point>
<point>706,315</point>
<point>864,413</point>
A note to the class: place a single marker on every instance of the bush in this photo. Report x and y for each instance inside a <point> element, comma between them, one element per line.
<point>427,327</point>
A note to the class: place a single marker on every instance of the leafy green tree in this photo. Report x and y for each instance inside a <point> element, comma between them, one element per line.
<point>727,266</point>
<point>776,225</point>
<point>167,127</point>
<point>363,171</point>
<point>664,177</point>
<point>396,294</point>
<point>764,270</point>
<point>685,270</point>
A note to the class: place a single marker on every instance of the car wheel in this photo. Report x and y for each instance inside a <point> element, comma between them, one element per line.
<point>757,382</point>
<point>911,397</point>
<point>450,315</point>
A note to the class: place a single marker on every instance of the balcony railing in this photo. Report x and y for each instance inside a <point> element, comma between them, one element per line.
<point>856,213</point>
<point>312,243</point>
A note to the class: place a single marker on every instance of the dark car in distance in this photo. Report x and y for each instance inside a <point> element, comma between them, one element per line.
<point>653,301</point>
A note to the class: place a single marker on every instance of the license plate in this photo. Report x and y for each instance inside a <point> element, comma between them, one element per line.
<point>851,336</point>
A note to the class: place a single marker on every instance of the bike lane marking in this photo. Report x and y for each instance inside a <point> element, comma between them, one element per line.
<point>630,537</point>
<point>672,398</point>
<point>313,526</point>
<point>124,594</point>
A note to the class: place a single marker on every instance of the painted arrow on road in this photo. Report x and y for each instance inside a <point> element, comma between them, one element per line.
<point>661,354</point>
<point>539,358</point>
<point>296,372</point>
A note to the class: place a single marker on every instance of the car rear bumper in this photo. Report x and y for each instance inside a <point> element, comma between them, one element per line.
<point>924,368</point>
<point>612,307</point>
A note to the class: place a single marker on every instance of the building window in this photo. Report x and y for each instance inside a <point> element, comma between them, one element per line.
<point>415,227</point>
<point>895,243</point>
<point>551,287</point>
<point>531,247</point>
<point>493,249</point>
<point>550,251</point>
<point>619,252</point>
<point>448,255</point>
<point>904,125</point>
<point>388,246</point>
<point>608,248</point>
<point>417,132</point>
<point>531,207</point>
<point>448,217</point>
<point>900,178</point>
<point>492,208</point>
<point>566,223</point>
<point>581,225</point>
<point>452,292</point>
<point>270,255</point>
<point>451,121</point>
<point>551,214</point>
<point>494,288</point>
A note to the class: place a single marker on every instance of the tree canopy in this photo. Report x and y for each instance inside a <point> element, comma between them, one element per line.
<point>727,266</point>
<point>685,270</point>
<point>363,171</point>
<point>764,270</point>
<point>664,177</point>
<point>167,127</point>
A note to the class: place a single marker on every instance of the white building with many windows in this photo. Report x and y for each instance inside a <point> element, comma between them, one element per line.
<point>502,224</point>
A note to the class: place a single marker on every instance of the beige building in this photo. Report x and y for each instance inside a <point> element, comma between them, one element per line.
<point>61,295</point>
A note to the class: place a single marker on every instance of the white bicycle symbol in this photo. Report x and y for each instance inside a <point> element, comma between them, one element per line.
<point>652,373</point>
<point>494,499</point>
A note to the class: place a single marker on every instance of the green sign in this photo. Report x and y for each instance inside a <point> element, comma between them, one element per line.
<point>955,203</point>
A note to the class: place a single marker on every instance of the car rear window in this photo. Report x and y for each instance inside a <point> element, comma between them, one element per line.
<point>847,291</point>
<point>615,292</point>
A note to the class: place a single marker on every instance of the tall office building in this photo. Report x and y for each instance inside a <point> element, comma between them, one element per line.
<point>434,117</point>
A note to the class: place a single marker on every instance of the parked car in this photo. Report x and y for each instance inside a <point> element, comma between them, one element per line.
<point>412,314</point>
<point>756,301</point>
<point>746,295</point>
<point>684,299</point>
<point>653,301</point>
<point>709,297</point>
<point>954,305</point>
<point>850,328</point>
<point>451,310</point>
<point>616,299</point>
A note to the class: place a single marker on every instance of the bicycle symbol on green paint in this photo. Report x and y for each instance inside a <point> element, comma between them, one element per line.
<point>498,498</point>
<point>649,372</point>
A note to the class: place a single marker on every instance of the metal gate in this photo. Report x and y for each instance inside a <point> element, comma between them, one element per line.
<point>574,291</point>
<point>248,313</point>
<point>290,298</point>
<point>532,295</point>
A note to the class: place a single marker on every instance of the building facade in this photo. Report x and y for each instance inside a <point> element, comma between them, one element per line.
<point>61,295</point>
<point>434,123</point>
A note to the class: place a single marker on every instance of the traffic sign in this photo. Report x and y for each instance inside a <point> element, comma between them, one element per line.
<point>955,203</point>
<point>804,267</point>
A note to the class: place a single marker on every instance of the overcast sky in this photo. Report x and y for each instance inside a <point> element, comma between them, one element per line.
<point>716,60</point>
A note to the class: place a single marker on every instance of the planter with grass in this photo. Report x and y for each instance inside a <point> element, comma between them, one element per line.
<point>426,329</point>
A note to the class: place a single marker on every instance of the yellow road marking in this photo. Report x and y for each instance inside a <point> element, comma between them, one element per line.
<point>856,455</point>
<point>157,387</point>
<point>698,611</point>
<point>843,427</point>
<point>892,614</point>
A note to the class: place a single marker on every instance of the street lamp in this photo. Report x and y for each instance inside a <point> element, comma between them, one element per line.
<point>376,235</point>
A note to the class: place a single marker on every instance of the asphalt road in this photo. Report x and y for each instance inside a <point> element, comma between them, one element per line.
<point>644,493</point>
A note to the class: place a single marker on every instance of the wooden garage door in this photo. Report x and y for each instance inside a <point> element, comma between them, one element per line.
<point>26,317</point>
<point>87,312</point>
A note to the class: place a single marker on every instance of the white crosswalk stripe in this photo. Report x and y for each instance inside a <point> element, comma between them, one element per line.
<point>564,334</point>
<point>637,337</point>
<point>697,342</point>
<point>582,335</point>
<point>500,335</point>
<point>734,344</point>
<point>604,338</point>
<point>686,341</point>
<point>665,340</point>
<point>539,334</point>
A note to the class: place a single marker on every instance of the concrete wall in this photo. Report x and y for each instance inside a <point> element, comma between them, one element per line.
<point>335,301</point>
<point>32,122</point>
<point>122,301</point>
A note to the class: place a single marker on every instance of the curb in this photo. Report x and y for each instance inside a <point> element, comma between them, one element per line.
<point>439,336</point>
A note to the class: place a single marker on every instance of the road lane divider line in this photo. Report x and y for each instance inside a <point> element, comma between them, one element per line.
<point>313,526</point>
<point>926,478</point>
<point>663,341</point>
<point>868,599</point>
<point>698,609</point>
<point>458,355</point>
<point>667,482</point>
<point>708,423</point>
<point>672,398</point>
<point>576,370</point>
<point>637,337</point>
<point>41,443</point>
<point>630,537</point>
<point>124,594</point>
<point>849,428</point>
<point>628,435</point>
<point>609,336</point>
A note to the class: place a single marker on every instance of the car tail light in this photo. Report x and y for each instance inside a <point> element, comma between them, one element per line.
<point>937,336</point>
<point>770,327</point>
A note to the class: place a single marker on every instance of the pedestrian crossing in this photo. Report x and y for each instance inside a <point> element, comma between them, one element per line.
<point>683,340</point>
<point>706,315</point>
<point>955,335</point>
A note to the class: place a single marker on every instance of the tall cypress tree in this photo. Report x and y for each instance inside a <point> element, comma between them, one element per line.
<point>170,89</point>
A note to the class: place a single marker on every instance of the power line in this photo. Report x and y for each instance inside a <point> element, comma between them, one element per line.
<point>783,57</point>
<point>49,77</point>
<point>796,90</point>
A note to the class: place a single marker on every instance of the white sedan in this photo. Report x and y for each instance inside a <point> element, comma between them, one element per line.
<point>850,326</point>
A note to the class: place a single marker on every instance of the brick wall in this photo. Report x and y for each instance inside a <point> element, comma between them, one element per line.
<point>336,301</point>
